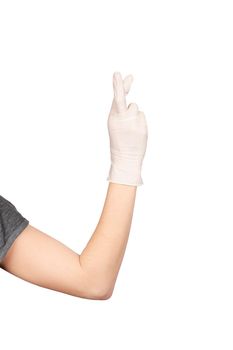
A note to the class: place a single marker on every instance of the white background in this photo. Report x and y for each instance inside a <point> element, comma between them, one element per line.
<point>174,289</point>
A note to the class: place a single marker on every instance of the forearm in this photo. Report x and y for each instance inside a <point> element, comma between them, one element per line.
<point>101,258</point>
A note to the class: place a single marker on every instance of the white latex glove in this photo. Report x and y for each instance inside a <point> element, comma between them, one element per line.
<point>128,135</point>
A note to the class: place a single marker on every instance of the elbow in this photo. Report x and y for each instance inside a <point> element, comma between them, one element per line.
<point>93,286</point>
<point>107,295</point>
<point>102,293</point>
<point>94,292</point>
<point>100,289</point>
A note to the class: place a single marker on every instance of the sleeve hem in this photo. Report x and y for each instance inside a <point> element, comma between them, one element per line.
<point>15,233</point>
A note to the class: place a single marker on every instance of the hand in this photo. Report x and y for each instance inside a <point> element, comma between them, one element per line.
<point>128,135</point>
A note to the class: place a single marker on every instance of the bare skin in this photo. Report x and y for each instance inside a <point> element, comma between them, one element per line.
<point>42,260</point>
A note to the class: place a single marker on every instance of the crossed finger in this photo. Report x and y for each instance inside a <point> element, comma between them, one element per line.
<point>119,92</point>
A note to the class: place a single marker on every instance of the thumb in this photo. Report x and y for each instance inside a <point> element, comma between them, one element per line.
<point>132,109</point>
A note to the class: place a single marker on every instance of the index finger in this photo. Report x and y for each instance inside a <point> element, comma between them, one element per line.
<point>119,92</point>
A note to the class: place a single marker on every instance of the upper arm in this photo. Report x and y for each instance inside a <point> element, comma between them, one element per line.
<point>40,259</point>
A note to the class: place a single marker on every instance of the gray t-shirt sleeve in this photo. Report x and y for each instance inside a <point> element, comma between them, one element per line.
<point>12,223</point>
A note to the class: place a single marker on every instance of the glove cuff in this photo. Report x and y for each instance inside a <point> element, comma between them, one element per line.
<point>126,173</point>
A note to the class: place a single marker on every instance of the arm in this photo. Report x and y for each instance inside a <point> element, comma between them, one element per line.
<point>40,259</point>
